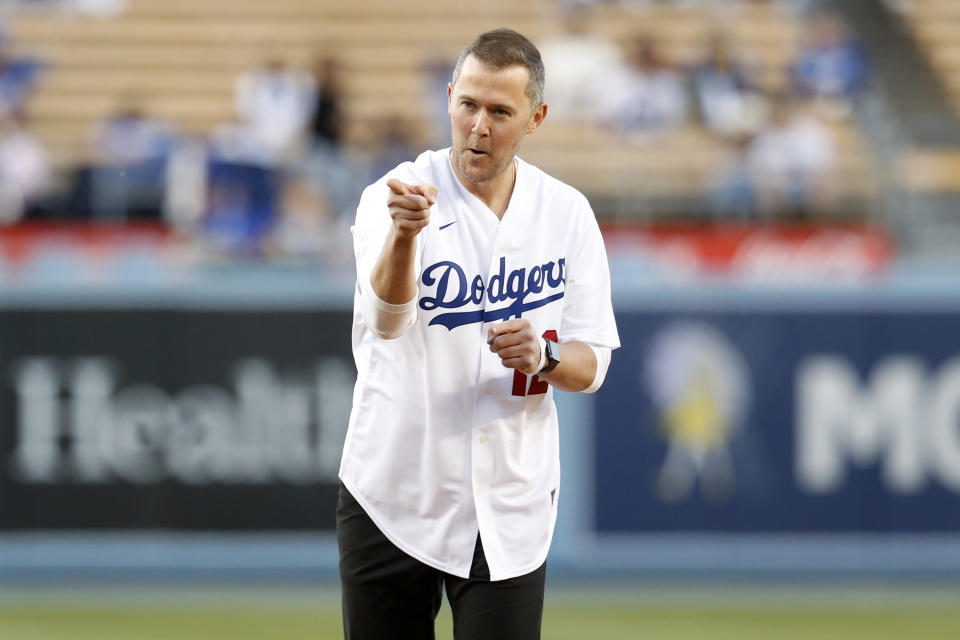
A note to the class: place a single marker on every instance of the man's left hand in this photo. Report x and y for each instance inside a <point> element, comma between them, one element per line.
<point>517,344</point>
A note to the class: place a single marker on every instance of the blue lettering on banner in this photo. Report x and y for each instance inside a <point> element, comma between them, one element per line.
<point>454,290</point>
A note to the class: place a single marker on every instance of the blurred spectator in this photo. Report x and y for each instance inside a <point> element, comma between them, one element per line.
<point>437,72</point>
<point>234,142</point>
<point>329,164</point>
<point>24,169</point>
<point>307,229</point>
<point>790,161</point>
<point>130,137</point>
<point>732,196</point>
<point>899,6</point>
<point>98,8</point>
<point>241,192</point>
<point>17,78</point>
<point>575,57</point>
<point>101,9</point>
<point>275,104</point>
<point>328,122</point>
<point>645,94</point>
<point>831,65</point>
<point>241,207</point>
<point>729,102</point>
<point>339,175</point>
<point>126,176</point>
<point>185,198</point>
<point>395,144</point>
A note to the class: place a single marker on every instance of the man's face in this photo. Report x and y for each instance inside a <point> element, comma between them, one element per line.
<point>489,115</point>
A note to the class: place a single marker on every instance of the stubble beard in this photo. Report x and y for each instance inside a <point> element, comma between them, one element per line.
<point>461,165</point>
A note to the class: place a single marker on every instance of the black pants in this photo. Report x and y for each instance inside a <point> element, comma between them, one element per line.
<point>388,595</point>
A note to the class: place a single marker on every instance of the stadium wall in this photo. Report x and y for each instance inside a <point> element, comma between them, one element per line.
<point>747,430</point>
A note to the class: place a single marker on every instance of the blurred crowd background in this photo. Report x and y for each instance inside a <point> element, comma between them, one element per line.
<point>158,135</point>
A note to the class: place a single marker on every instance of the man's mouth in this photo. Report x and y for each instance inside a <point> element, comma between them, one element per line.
<point>476,152</point>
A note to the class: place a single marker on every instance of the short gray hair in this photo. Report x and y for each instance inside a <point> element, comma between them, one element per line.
<point>502,48</point>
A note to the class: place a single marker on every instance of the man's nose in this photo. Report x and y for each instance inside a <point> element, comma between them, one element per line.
<point>481,124</point>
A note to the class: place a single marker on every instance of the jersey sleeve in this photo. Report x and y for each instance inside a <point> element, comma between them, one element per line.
<point>369,234</point>
<point>588,309</point>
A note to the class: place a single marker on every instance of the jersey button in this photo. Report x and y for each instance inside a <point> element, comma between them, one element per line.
<point>482,439</point>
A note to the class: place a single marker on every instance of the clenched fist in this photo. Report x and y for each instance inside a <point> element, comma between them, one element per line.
<point>517,344</point>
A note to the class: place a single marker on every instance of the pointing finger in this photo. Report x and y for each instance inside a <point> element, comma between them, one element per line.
<point>399,188</point>
<point>428,191</point>
<point>411,202</point>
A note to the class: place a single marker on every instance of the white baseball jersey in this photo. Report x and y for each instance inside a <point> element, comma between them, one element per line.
<point>444,441</point>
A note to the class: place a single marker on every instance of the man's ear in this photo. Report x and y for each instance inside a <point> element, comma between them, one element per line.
<point>449,98</point>
<point>539,114</point>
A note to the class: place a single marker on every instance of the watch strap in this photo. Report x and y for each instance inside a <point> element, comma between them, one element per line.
<point>543,355</point>
<point>551,355</point>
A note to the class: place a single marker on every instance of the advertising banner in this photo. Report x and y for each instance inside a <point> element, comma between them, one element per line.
<point>780,422</point>
<point>175,419</point>
<point>759,253</point>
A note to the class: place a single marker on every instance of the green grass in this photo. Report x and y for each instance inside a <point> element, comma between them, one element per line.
<point>183,615</point>
<point>744,623</point>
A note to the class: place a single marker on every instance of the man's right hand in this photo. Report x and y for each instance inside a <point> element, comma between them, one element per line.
<point>409,206</point>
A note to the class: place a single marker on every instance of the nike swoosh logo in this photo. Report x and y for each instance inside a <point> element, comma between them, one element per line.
<point>447,225</point>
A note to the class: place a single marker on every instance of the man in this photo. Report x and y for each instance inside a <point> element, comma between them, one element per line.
<point>481,283</point>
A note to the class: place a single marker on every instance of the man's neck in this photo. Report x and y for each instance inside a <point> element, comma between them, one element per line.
<point>494,193</point>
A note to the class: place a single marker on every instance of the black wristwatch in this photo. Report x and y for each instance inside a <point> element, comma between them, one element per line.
<point>553,356</point>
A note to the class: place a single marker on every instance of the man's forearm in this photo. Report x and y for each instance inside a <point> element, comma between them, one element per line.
<point>393,279</point>
<point>577,368</point>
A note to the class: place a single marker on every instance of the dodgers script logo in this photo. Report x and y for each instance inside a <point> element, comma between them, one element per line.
<point>455,290</point>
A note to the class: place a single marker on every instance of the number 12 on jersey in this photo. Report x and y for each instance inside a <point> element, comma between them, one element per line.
<point>537,386</point>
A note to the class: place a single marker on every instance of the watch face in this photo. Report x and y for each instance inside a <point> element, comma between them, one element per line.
<point>553,358</point>
<point>552,351</point>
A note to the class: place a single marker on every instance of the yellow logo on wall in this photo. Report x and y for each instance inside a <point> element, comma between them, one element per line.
<point>698,381</point>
